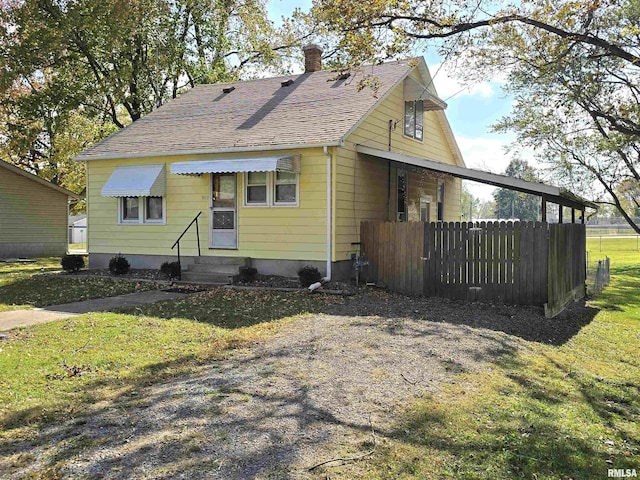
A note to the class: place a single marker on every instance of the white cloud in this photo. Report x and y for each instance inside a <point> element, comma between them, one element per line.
<point>448,85</point>
<point>488,154</point>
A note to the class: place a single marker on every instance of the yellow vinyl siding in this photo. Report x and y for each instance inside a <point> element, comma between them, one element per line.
<point>277,232</point>
<point>31,213</point>
<point>361,185</point>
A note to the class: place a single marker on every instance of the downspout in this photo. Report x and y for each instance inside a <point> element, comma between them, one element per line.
<point>389,175</point>
<point>329,220</point>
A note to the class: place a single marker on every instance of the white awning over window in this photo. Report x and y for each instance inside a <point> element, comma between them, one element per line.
<point>288,163</point>
<point>136,181</point>
<point>413,90</point>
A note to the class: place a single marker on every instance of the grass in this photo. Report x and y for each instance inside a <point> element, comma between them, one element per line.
<point>53,370</point>
<point>21,287</point>
<point>545,412</point>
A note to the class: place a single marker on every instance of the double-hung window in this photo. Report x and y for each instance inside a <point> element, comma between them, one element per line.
<point>271,189</point>
<point>286,188</point>
<point>414,119</point>
<point>137,210</point>
<point>130,208</point>
<point>256,188</point>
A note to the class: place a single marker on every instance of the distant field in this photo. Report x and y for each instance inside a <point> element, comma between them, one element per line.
<point>610,231</point>
<point>624,249</point>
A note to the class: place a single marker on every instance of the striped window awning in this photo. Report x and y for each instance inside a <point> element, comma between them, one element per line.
<point>136,181</point>
<point>288,163</point>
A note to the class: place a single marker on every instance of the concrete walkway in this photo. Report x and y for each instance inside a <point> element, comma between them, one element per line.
<point>23,318</point>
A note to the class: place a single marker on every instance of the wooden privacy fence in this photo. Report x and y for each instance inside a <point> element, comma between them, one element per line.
<point>522,263</point>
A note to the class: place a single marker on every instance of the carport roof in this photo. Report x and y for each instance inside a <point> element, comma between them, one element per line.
<point>550,193</point>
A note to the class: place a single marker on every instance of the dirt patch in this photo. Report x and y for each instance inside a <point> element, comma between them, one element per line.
<point>312,391</point>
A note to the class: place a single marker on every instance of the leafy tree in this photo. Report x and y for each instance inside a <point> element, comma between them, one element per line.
<point>469,204</point>
<point>512,204</point>
<point>487,209</point>
<point>72,71</point>
<point>573,68</point>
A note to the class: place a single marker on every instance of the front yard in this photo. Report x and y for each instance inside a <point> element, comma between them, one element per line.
<point>246,384</point>
<point>25,285</point>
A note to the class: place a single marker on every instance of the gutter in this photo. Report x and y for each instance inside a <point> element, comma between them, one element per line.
<point>175,153</point>
<point>329,218</point>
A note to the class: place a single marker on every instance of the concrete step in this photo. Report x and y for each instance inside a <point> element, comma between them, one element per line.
<point>196,277</point>
<point>222,260</point>
<point>215,269</point>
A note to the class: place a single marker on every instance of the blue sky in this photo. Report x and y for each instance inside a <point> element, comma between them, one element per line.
<point>471,112</point>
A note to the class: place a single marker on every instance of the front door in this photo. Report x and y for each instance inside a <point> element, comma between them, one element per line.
<point>224,230</point>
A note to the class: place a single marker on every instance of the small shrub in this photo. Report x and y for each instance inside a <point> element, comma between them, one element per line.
<point>247,274</point>
<point>119,265</point>
<point>72,263</point>
<point>309,275</point>
<point>171,269</point>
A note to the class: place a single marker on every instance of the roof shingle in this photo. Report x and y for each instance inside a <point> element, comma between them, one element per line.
<point>315,109</point>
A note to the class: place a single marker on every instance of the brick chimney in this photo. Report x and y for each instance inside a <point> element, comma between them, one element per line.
<point>312,58</point>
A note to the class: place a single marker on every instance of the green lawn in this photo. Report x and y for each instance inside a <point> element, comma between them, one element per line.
<point>22,287</point>
<point>58,368</point>
<point>547,412</point>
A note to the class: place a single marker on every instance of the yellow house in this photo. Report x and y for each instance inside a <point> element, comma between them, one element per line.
<point>33,214</point>
<point>272,167</point>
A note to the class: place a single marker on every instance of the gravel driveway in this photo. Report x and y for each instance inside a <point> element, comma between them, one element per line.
<point>312,392</point>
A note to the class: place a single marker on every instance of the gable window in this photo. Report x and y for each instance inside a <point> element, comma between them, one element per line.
<point>256,188</point>
<point>414,119</point>
<point>440,197</point>
<point>271,189</point>
<point>137,210</point>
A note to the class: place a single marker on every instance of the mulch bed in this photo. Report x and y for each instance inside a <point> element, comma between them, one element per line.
<point>274,281</point>
<point>133,274</point>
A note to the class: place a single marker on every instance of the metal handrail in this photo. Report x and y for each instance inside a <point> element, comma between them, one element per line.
<point>177,242</point>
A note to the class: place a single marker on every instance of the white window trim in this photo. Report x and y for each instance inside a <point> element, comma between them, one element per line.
<point>404,134</point>
<point>142,211</point>
<point>271,193</point>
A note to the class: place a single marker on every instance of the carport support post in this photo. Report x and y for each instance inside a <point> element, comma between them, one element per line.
<point>582,213</point>
<point>543,209</point>
<point>560,212</point>
<point>573,215</point>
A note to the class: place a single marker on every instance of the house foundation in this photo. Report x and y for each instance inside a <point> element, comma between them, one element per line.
<point>286,268</point>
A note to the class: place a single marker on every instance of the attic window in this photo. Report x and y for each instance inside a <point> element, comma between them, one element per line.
<point>286,83</point>
<point>228,89</point>
<point>413,119</point>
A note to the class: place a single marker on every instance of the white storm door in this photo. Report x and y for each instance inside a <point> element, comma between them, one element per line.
<point>224,230</point>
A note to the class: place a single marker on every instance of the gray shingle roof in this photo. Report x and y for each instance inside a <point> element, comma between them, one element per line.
<point>315,109</point>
